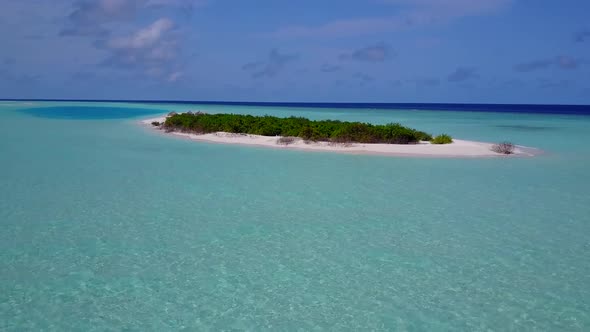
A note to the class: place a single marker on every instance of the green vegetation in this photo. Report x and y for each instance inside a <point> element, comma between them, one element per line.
<point>323,130</point>
<point>442,139</point>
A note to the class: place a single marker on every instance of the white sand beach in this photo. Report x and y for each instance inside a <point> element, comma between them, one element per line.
<point>459,148</point>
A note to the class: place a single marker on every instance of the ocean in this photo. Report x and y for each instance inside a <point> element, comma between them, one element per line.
<point>109,226</point>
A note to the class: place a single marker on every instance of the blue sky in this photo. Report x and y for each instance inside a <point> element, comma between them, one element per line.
<point>474,51</point>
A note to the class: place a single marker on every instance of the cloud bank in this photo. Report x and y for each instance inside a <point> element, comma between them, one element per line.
<point>462,74</point>
<point>374,53</point>
<point>272,66</point>
<point>411,13</point>
<point>561,62</point>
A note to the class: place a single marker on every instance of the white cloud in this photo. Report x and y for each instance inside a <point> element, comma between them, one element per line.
<point>152,50</point>
<point>411,13</point>
<point>175,76</point>
<point>144,38</point>
<point>89,17</point>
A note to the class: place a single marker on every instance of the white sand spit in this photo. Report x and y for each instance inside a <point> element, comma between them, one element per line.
<point>459,148</point>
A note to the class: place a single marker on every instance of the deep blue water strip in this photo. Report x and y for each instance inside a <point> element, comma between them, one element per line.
<point>499,108</point>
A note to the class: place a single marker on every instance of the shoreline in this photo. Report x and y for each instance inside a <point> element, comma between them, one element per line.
<point>457,149</point>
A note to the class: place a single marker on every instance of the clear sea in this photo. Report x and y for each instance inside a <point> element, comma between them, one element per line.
<point>109,226</point>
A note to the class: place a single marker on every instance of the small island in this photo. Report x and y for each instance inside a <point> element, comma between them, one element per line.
<point>322,135</point>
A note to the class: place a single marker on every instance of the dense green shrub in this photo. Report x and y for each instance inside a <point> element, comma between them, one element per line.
<point>442,139</point>
<point>322,130</point>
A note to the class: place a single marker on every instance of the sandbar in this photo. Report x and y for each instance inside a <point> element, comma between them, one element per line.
<point>459,148</point>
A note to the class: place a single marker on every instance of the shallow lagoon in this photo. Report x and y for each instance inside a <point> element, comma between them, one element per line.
<point>107,225</point>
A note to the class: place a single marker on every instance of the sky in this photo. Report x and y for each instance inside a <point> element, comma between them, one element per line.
<point>447,51</point>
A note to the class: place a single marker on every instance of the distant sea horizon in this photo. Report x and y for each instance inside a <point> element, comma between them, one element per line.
<point>576,109</point>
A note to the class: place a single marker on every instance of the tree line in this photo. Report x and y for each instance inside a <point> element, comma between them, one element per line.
<point>312,130</point>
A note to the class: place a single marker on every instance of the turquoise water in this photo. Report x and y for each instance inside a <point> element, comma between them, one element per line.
<point>88,112</point>
<point>107,225</point>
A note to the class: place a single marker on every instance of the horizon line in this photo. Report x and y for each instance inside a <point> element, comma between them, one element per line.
<point>180,101</point>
